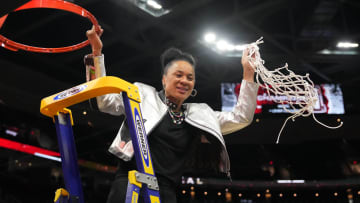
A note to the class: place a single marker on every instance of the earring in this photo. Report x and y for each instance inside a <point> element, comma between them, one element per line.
<point>193,93</point>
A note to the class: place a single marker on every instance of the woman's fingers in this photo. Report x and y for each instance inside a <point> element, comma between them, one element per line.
<point>94,39</point>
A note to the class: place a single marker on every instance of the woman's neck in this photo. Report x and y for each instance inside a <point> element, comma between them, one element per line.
<point>176,102</point>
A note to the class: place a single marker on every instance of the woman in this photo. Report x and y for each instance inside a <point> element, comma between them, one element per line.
<point>175,129</point>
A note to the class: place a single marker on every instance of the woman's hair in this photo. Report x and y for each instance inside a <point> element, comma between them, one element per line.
<point>173,54</point>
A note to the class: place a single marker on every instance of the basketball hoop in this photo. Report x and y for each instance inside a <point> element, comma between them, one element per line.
<point>54,4</point>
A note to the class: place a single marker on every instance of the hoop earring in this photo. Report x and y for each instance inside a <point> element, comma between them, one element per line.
<point>193,93</point>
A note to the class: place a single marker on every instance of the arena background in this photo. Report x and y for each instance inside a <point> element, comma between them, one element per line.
<point>302,33</point>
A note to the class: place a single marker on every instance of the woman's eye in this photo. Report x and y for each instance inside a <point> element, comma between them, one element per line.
<point>178,75</point>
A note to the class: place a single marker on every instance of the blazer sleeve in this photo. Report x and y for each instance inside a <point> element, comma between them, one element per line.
<point>243,112</point>
<point>109,103</point>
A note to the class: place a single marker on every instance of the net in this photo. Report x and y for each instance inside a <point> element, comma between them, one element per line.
<point>299,91</point>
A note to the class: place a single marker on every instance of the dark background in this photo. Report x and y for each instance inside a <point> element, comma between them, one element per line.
<point>294,31</point>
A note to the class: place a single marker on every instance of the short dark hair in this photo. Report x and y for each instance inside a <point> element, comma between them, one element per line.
<point>174,54</point>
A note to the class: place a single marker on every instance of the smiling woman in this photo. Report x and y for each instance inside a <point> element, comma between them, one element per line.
<point>182,136</point>
<point>178,76</point>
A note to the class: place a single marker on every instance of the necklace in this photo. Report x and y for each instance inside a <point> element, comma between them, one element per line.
<point>177,117</point>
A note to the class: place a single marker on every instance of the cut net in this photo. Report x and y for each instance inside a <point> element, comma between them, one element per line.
<point>299,91</point>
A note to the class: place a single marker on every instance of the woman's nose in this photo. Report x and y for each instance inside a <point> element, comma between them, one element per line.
<point>183,80</point>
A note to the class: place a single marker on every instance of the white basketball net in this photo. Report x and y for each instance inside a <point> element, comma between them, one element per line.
<point>299,91</point>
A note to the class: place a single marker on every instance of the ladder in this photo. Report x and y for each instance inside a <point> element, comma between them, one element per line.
<point>55,106</point>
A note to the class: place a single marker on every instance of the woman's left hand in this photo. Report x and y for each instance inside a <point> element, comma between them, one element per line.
<point>248,70</point>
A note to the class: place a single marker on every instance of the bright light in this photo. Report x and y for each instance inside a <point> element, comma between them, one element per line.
<point>240,47</point>
<point>347,45</point>
<point>222,45</point>
<point>54,158</point>
<point>230,47</point>
<point>11,132</point>
<point>210,37</point>
<point>283,181</point>
<point>290,181</point>
<point>154,4</point>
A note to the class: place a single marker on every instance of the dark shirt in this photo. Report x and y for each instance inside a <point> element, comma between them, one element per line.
<point>171,146</point>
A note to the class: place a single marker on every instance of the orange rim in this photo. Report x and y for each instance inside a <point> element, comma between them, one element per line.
<point>54,4</point>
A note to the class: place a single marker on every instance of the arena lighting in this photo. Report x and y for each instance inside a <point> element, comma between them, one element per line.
<point>290,181</point>
<point>210,37</point>
<point>26,148</point>
<point>338,52</point>
<point>154,4</point>
<point>51,155</point>
<point>240,47</point>
<point>346,45</point>
<point>11,132</point>
<point>47,156</point>
<point>222,46</point>
<point>150,6</point>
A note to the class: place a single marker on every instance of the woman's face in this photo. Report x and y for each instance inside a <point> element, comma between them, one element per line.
<point>179,81</point>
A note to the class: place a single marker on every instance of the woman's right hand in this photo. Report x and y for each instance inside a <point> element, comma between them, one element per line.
<point>95,41</point>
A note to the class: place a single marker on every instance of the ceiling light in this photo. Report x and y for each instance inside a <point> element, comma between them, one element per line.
<point>240,47</point>
<point>346,45</point>
<point>209,37</point>
<point>211,40</point>
<point>338,52</point>
<point>230,47</point>
<point>222,45</point>
<point>152,7</point>
<point>154,4</point>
